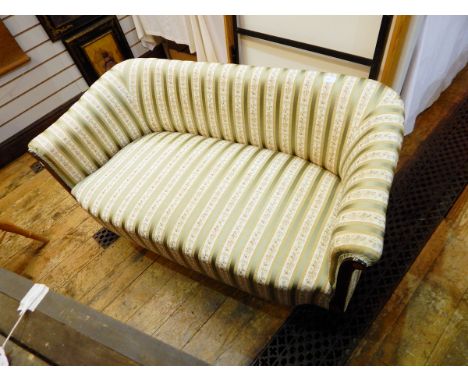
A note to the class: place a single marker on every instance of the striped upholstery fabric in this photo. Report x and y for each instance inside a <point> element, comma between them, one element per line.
<point>253,218</point>
<point>339,134</point>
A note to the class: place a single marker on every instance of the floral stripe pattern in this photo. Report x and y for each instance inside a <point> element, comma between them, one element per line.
<point>212,204</point>
<point>264,178</point>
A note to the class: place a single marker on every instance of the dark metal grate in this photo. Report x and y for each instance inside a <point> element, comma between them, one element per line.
<point>37,166</point>
<point>422,194</point>
<point>105,238</point>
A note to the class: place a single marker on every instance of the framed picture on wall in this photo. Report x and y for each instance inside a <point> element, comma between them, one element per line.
<point>59,26</point>
<point>98,48</point>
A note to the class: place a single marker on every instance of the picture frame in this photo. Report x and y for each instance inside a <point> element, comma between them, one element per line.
<point>98,47</point>
<point>60,26</point>
<point>11,54</point>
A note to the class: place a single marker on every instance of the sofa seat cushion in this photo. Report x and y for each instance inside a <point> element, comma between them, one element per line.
<point>254,218</point>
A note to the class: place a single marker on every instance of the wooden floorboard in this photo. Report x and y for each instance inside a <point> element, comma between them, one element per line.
<point>452,347</point>
<point>19,356</point>
<point>15,174</point>
<point>424,322</point>
<point>118,280</point>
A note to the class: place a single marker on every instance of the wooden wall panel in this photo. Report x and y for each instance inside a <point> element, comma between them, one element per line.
<point>132,37</point>
<point>49,79</point>
<point>32,38</point>
<point>32,78</point>
<point>20,23</point>
<point>38,93</point>
<point>41,108</point>
<point>127,24</point>
<point>39,56</point>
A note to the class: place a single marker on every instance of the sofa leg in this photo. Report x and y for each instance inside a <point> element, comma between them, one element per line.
<point>339,301</point>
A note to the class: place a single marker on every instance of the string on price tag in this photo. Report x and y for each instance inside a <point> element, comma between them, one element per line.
<point>29,302</point>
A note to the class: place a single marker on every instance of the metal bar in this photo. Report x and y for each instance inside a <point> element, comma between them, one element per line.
<point>384,30</point>
<point>304,46</point>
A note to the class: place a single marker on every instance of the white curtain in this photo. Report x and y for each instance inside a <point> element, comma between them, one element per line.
<point>203,34</point>
<point>440,53</point>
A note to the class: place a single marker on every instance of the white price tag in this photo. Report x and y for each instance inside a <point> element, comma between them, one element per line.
<point>33,298</point>
<point>29,302</point>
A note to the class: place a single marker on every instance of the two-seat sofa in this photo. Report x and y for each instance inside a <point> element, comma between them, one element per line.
<point>275,181</point>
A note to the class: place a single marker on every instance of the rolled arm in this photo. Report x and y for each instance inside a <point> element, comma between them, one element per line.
<point>367,169</point>
<point>99,124</point>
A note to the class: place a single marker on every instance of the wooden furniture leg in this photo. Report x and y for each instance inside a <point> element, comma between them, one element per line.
<point>10,227</point>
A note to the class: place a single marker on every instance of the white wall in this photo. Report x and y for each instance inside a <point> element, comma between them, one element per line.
<point>351,34</point>
<point>48,80</point>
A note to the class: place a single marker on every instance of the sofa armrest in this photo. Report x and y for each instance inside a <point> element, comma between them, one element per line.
<point>367,169</point>
<point>99,124</point>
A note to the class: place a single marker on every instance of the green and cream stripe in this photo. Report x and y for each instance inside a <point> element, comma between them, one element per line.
<point>214,207</point>
<point>264,178</point>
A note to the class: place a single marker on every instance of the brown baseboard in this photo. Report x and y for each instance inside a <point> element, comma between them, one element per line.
<point>17,145</point>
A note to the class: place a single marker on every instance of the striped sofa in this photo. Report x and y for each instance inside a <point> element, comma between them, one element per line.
<point>272,180</point>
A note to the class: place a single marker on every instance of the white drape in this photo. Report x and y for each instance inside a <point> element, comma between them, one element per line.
<point>203,34</point>
<point>440,53</point>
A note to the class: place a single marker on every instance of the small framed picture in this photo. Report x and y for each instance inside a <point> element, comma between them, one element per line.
<point>59,26</point>
<point>98,48</point>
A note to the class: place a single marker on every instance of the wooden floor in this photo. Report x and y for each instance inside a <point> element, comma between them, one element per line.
<point>22,357</point>
<point>425,321</point>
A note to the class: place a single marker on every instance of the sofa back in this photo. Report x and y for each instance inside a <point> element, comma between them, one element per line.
<point>328,119</point>
<point>313,115</point>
